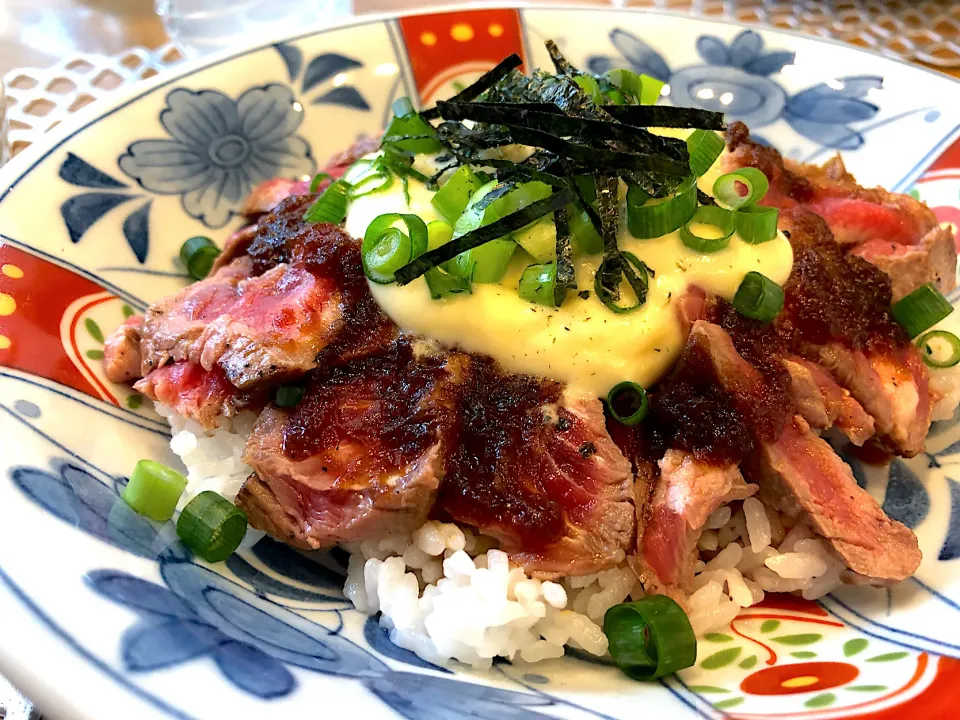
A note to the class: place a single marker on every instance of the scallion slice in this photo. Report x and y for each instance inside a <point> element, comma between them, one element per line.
<point>386,249</point>
<point>708,215</point>
<point>657,218</point>
<point>537,283</point>
<point>628,82</point>
<point>704,147</point>
<point>758,297</point>
<point>932,344</point>
<point>757,224</point>
<point>921,309</point>
<point>650,638</point>
<point>154,490</point>
<point>376,176</point>
<point>452,198</point>
<point>439,233</point>
<point>318,180</point>
<point>211,526</point>
<point>330,207</point>
<point>197,255</point>
<point>652,88</point>
<point>408,132</point>
<point>628,403</point>
<point>441,283</point>
<point>584,236</point>
<point>287,396</point>
<point>590,86</point>
<point>485,264</point>
<point>638,277</point>
<point>741,188</point>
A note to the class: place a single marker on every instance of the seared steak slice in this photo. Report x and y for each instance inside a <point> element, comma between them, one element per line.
<point>837,313</point>
<point>801,475</point>
<point>121,351</point>
<point>361,455</point>
<point>285,219</point>
<point>896,232</point>
<point>687,492</point>
<point>267,195</point>
<point>195,393</point>
<point>533,466</point>
<point>823,403</point>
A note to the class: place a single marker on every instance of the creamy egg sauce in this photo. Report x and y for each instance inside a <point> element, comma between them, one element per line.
<point>581,343</point>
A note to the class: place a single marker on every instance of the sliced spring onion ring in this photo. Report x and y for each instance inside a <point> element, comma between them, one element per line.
<point>704,147</point>
<point>197,255</point>
<point>452,198</point>
<point>650,638</point>
<point>368,176</point>
<point>330,207</point>
<point>318,180</point>
<point>657,218</point>
<point>921,309</point>
<point>584,236</point>
<point>441,283</point>
<point>408,132</point>
<point>485,264</point>
<point>628,82</point>
<point>756,224</point>
<point>386,249</point>
<point>708,215</point>
<point>758,297</point>
<point>212,526</point>
<point>154,490</point>
<point>438,233</point>
<point>931,346</point>
<point>538,282</point>
<point>638,277</point>
<point>628,403</point>
<point>741,188</point>
<point>652,88</point>
<point>287,396</point>
<point>591,87</point>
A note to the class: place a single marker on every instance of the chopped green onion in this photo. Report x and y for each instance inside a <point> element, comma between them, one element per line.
<point>438,233</point>
<point>658,218</point>
<point>628,403</point>
<point>932,356</point>
<point>451,199</point>
<point>758,297</point>
<point>330,207</point>
<point>638,277</point>
<point>741,188</point>
<point>650,638</point>
<point>921,309</point>
<point>485,264</point>
<point>154,490</point>
<point>627,81</point>
<point>651,89</point>
<point>288,396</point>
<point>539,239</point>
<point>402,107</point>
<point>441,283</point>
<point>375,177</point>
<point>584,236</point>
<point>386,249</point>
<point>708,215</point>
<point>212,526</point>
<point>537,283</point>
<point>318,180</point>
<point>197,255</point>
<point>704,147</point>
<point>408,132</point>
<point>756,224</point>
<point>590,86</point>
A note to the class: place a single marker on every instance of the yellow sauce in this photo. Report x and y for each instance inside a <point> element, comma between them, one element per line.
<point>581,343</point>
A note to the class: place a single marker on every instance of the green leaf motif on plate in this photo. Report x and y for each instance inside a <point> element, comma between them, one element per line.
<point>724,704</point>
<point>706,689</point>
<point>803,654</point>
<point>749,662</point>
<point>887,657</point>
<point>95,332</point>
<point>721,659</point>
<point>717,637</point>
<point>769,626</point>
<point>127,311</point>
<point>852,647</point>
<point>867,688</point>
<point>801,639</point>
<point>821,700</point>
<point>95,354</point>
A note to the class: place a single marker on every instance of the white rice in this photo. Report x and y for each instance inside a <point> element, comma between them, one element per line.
<point>448,594</point>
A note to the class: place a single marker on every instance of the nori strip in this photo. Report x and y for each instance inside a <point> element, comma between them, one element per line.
<point>634,115</point>
<point>486,81</point>
<point>475,238</point>
<point>562,65</point>
<point>566,278</point>
<point>608,208</point>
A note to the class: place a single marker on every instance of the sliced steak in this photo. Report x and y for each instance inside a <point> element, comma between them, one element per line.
<point>801,475</point>
<point>267,195</point>
<point>286,219</point>
<point>823,403</point>
<point>687,492</point>
<point>533,466</point>
<point>121,351</point>
<point>897,233</point>
<point>361,455</point>
<point>201,395</point>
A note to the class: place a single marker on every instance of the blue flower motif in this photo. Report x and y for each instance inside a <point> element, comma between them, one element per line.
<point>221,149</point>
<point>735,79</point>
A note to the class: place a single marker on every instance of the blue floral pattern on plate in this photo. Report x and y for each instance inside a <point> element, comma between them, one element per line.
<point>736,79</point>
<point>220,149</point>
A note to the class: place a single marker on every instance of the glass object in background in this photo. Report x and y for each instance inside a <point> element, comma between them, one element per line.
<point>202,26</point>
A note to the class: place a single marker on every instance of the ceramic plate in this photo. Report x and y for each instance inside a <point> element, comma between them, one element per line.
<point>101,620</point>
